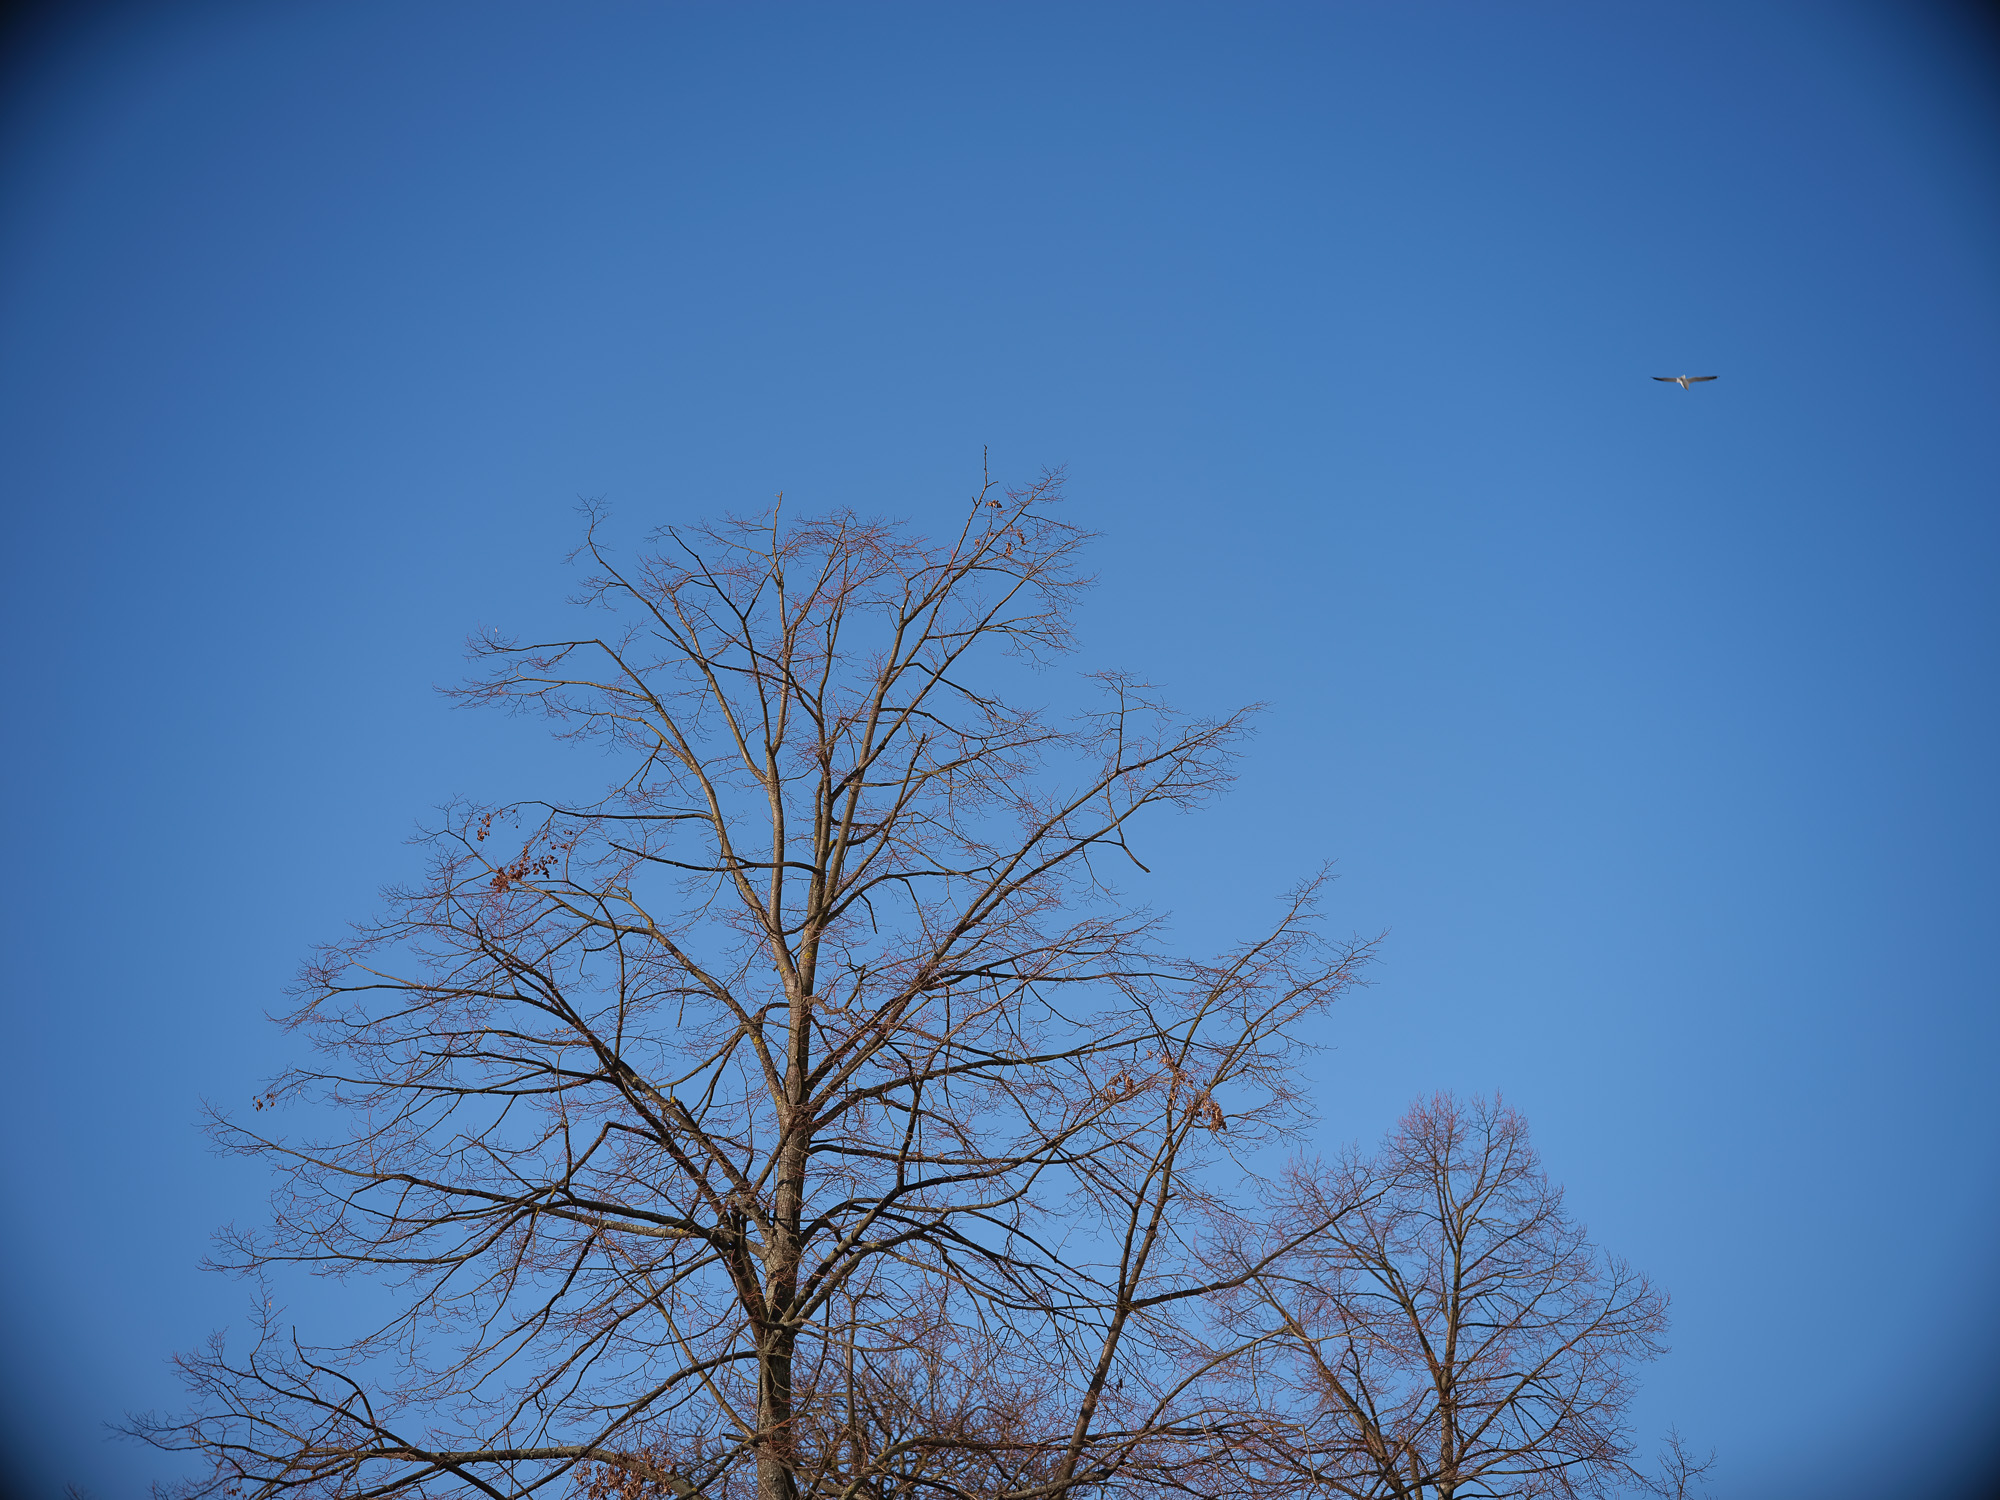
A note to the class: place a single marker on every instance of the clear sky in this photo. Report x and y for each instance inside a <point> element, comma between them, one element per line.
<point>1656,726</point>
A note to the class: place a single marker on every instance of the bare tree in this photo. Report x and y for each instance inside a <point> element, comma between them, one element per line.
<point>1678,1473</point>
<point>809,1115</point>
<point>1453,1333</point>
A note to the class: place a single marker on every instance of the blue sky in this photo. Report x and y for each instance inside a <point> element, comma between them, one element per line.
<point>1656,727</point>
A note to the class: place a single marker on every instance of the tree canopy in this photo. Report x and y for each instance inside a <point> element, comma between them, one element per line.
<point>812,1115</point>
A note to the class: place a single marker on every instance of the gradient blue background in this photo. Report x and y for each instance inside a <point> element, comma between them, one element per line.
<point>1657,727</point>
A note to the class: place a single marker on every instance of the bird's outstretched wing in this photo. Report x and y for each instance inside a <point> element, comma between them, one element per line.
<point>1701,377</point>
<point>1669,379</point>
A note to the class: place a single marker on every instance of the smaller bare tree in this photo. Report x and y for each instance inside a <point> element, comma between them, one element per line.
<point>1679,1474</point>
<point>1455,1334</point>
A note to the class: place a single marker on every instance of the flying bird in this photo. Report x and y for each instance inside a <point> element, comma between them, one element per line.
<point>1685,382</point>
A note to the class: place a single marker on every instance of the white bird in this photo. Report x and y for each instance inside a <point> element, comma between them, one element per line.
<point>1685,382</point>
